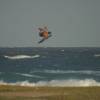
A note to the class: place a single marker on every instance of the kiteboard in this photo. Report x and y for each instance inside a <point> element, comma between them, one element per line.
<point>44,39</point>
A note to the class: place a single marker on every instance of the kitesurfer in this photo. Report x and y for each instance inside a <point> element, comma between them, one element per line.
<point>44,32</point>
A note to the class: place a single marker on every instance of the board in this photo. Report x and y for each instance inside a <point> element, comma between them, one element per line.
<point>44,39</point>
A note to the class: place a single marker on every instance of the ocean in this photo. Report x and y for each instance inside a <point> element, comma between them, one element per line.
<point>50,66</point>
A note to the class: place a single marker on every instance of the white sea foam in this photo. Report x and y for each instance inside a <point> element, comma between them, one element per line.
<point>97,55</point>
<point>62,50</point>
<point>59,83</point>
<point>29,75</point>
<point>89,72</point>
<point>70,82</point>
<point>21,57</point>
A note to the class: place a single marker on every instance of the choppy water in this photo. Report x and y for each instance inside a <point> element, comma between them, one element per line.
<point>50,66</point>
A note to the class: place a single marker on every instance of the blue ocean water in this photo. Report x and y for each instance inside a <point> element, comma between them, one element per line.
<point>50,66</point>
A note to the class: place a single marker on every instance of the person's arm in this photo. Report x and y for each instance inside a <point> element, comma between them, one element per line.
<point>41,30</point>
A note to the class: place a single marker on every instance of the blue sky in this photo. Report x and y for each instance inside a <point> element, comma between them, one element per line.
<point>74,23</point>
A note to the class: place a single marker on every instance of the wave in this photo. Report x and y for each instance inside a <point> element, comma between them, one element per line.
<point>97,55</point>
<point>29,75</point>
<point>58,83</point>
<point>21,57</point>
<point>62,50</point>
<point>89,72</point>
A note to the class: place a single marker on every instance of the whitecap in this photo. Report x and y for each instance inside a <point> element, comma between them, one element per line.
<point>21,57</point>
<point>89,72</point>
<point>29,75</point>
<point>62,50</point>
<point>97,55</point>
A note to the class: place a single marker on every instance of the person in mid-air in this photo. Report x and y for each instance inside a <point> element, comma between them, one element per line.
<point>43,32</point>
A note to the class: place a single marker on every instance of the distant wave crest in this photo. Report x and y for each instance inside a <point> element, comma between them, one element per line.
<point>29,75</point>
<point>59,83</point>
<point>21,57</point>
<point>97,55</point>
<point>89,72</point>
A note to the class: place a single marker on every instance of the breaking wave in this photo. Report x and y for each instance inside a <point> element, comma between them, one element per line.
<point>29,75</point>
<point>89,72</point>
<point>97,55</point>
<point>58,83</point>
<point>21,57</point>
